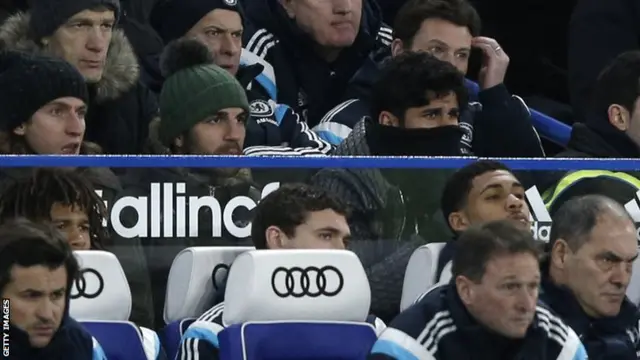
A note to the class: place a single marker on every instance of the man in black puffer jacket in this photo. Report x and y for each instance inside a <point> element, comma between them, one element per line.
<point>40,326</point>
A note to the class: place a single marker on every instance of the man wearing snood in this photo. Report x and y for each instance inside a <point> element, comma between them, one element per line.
<point>418,100</point>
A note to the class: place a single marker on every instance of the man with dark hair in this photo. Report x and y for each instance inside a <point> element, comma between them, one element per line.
<point>611,130</point>
<point>489,309</point>
<point>65,199</point>
<point>295,216</point>
<point>597,33</point>
<point>219,25</point>
<point>584,280</point>
<point>481,191</point>
<point>417,100</point>
<point>37,269</point>
<point>84,33</point>
<point>448,30</point>
<point>299,216</point>
<point>68,200</point>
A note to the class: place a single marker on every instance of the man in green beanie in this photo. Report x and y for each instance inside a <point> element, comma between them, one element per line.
<point>203,108</point>
<point>203,111</point>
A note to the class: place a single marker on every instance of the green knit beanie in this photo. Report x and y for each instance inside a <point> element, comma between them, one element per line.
<point>194,89</point>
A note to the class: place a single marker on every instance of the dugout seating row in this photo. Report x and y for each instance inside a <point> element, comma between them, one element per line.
<point>288,304</point>
<point>102,300</point>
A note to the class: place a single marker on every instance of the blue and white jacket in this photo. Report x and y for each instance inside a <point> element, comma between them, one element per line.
<point>310,85</point>
<point>274,129</point>
<point>439,327</point>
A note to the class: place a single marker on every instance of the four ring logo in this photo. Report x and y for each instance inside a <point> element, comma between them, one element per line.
<point>311,281</point>
<point>89,284</point>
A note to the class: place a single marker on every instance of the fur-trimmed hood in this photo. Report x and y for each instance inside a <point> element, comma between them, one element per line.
<point>121,71</point>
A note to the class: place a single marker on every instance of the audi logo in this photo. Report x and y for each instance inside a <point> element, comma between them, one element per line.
<point>89,284</point>
<point>219,276</point>
<point>311,281</point>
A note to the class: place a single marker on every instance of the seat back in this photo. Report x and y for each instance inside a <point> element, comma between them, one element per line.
<point>421,273</point>
<point>190,288</point>
<point>101,291</point>
<point>294,340</point>
<point>171,335</point>
<point>120,340</point>
<point>296,304</point>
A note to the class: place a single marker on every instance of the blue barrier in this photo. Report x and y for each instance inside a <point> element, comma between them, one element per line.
<point>281,162</point>
<point>548,127</point>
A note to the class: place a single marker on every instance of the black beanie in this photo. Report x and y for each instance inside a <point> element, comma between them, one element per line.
<point>48,15</point>
<point>28,82</point>
<point>172,19</point>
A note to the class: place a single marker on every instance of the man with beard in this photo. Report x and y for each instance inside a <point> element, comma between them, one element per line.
<point>204,110</point>
<point>417,101</point>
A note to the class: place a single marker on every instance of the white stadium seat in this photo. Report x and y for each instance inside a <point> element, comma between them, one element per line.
<point>101,301</point>
<point>101,291</point>
<point>190,289</point>
<point>292,304</point>
<point>421,272</point>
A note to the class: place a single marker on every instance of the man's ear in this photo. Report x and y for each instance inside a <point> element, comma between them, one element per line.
<point>388,119</point>
<point>458,221</point>
<point>619,117</point>
<point>464,286</point>
<point>560,252</point>
<point>20,130</point>
<point>287,5</point>
<point>397,47</point>
<point>276,238</point>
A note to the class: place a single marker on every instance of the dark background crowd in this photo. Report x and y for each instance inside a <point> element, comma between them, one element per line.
<point>297,78</point>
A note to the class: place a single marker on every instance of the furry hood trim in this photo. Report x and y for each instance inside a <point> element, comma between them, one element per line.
<point>121,71</point>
